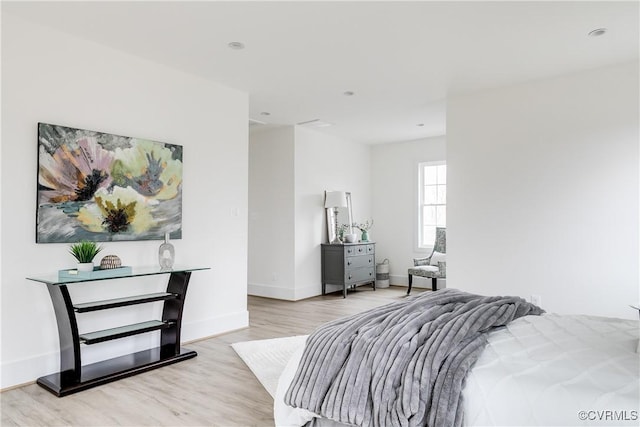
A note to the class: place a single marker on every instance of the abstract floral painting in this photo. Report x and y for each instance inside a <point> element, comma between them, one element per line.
<point>102,187</point>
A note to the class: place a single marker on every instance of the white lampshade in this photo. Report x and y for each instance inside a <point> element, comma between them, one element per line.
<point>335,199</point>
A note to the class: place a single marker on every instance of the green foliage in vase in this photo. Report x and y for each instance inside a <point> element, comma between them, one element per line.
<point>85,251</point>
<point>364,226</point>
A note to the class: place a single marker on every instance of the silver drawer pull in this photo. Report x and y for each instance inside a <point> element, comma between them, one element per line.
<point>348,262</point>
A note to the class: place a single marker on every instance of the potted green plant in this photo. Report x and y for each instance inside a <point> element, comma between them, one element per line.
<point>84,252</point>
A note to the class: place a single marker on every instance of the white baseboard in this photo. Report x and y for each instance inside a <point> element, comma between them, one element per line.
<point>398,280</point>
<point>270,291</point>
<point>27,370</point>
<point>308,291</point>
<point>280,292</point>
<point>214,326</point>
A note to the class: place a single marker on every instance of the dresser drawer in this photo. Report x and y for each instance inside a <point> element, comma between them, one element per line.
<point>360,249</point>
<point>350,250</point>
<point>359,261</point>
<point>359,275</point>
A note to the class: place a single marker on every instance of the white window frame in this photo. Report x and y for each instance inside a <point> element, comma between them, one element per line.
<point>419,229</point>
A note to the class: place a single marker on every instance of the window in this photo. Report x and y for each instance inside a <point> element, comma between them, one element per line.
<point>432,201</point>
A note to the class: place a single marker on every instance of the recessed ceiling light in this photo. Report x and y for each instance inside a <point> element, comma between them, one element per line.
<point>236,45</point>
<point>265,113</point>
<point>420,124</point>
<point>597,32</point>
<point>348,93</point>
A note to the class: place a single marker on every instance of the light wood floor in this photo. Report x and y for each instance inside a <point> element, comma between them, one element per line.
<point>214,389</point>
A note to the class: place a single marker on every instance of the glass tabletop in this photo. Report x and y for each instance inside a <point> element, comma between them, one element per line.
<point>58,279</point>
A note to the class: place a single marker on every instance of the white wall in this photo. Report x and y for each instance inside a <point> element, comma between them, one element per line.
<point>394,177</point>
<point>52,77</point>
<point>291,167</point>
<point>271,212</point>
<point>324,162</point>
<point>543,191</point>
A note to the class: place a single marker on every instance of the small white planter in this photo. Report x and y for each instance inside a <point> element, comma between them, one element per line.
<point>85,266</point>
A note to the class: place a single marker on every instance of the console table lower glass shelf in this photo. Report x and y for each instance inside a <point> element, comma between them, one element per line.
<point>73,376</point>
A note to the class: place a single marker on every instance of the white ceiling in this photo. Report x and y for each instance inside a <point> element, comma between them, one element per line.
<point>402,59</point>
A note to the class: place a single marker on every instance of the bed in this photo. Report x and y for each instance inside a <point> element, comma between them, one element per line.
<point>536,369</point>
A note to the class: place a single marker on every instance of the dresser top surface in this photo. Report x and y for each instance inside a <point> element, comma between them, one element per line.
<point>348,244</point>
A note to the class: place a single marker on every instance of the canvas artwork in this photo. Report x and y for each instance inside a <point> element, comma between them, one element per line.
<point>102,187</point>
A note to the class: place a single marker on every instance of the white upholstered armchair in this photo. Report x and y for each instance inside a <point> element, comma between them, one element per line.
<point>435,265</point>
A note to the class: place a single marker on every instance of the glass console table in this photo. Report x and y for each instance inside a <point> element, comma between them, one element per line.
<point>73,376</point>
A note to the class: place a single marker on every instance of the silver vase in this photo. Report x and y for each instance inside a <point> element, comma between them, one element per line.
<point>166,254</point>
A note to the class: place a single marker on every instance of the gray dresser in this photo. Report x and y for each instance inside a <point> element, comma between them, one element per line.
<point>348,265</point>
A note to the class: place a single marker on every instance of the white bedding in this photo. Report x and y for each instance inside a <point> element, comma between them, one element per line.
<point>540,370</point>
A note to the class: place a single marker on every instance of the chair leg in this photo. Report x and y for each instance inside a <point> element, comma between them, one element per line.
<point>434,284</point>
<point>410,283</point>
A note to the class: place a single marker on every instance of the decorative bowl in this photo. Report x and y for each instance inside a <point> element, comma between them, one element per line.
<point>109,262</point>
<point>351,238</point>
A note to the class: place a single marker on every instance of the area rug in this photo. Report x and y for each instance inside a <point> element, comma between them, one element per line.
<point>268,358</point>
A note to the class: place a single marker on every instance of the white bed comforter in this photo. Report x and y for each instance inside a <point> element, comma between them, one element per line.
<point>547,370</point>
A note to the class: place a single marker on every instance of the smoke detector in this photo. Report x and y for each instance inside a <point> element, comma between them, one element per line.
<point>236,45</point>
<point>597,32</point>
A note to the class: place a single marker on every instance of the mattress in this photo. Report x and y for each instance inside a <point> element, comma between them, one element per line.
<point>539,370</point>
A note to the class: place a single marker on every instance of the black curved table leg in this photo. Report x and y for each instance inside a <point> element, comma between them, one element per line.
<point>70,361</point>
<point>172,312</point>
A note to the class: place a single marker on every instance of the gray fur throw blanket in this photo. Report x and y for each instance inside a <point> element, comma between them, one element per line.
<point>402,364</point>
